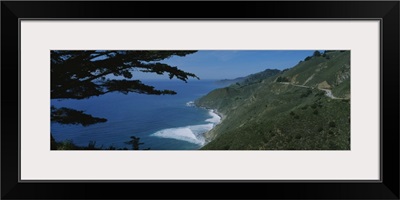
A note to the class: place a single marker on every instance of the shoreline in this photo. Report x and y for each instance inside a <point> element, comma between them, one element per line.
<point>221,116</point>
<point>197,133</point>
<point>206,135</point>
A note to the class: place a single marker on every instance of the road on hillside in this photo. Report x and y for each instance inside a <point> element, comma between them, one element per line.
<point>328,92</point>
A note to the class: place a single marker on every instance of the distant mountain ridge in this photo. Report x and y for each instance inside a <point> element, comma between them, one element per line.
<point>306,107</point>
<point>260,76</point>
<point>230,81</point>
<point>252,78</point>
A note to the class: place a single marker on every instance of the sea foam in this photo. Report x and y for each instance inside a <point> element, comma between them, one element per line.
<point>190,104</point>
<point>193,133</point>
<point>215,119</point>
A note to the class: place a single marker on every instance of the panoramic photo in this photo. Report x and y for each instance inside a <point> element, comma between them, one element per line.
<point>200,100</point>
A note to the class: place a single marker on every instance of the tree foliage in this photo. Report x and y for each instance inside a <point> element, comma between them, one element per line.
<point>70,116</point>
<point>316,54</point>
<point>135,142</point>
<point>282,79</point>
<point>84,74</point>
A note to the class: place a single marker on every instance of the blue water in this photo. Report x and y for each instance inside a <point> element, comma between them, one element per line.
<point>163,122</point>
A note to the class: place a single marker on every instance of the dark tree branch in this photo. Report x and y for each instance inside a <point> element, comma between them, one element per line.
<point>70,116</point>
<point>84,74</point>
<point>74,77</point>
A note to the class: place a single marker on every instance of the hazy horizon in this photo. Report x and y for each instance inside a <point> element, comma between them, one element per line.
<point>230,64</point>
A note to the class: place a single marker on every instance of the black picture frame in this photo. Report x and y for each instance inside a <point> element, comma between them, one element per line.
<point>386,11</point>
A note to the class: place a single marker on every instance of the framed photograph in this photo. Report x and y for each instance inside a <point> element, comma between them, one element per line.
<point>291,96</point>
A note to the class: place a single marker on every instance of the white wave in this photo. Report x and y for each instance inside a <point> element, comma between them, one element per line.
<point>215,119</point>
<point>192,134</point>
<point>190,104</point>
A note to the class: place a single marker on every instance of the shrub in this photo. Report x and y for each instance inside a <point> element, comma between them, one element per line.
<point>320,93</point>
<point>53,143</point>
<point>317,53</point>
<point>91,145</point>
<point>282,79</point>
<point>265,140</point>
<point>306,93</point>
<point>111,148</point>
<point>135,142</point>
<point>67,145</point>
<point>332,145</point>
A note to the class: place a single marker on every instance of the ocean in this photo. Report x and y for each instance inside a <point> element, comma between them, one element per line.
<point>162,122</point>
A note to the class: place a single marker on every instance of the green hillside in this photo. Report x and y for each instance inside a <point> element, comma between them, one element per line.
<point>286,110</point>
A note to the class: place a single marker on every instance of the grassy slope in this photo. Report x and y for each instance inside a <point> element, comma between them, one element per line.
<point>270,115</point>
<point>335,71</point>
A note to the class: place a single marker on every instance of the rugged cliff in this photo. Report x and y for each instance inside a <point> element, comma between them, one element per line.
<point>306,107</point>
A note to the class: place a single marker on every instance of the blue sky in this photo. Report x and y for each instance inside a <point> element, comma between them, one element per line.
<point>229,64</point>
